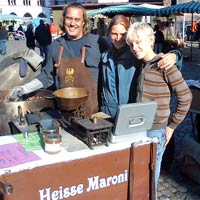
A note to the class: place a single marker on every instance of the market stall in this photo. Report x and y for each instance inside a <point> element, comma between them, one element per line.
<point>60,151</point>
<point>117,171</point>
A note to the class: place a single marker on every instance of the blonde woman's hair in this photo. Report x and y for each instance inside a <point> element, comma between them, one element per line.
<point>139,30</point>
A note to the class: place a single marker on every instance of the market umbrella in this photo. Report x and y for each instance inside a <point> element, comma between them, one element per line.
<point>188,7</point>
<point>126,9</point>
<point>9,17</point>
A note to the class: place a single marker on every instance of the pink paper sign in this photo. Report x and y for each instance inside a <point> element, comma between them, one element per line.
<point>14,154</point>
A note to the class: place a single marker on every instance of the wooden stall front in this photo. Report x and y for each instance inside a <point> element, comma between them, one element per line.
<point>118,172</point>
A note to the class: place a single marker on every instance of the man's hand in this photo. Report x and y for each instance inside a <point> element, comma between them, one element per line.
<point>27,88</point>
<point>167,61</point>
<point>169,133</point>
<point>16,93</point>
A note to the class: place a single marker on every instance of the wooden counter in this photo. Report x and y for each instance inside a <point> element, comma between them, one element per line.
<point>119,171</point>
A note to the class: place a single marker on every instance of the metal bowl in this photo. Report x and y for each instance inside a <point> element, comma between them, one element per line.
<point>71,98</point>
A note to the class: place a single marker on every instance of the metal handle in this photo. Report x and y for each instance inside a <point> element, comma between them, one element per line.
<point>7,188</point>
<point>136,121</point>
<point>21,116</point>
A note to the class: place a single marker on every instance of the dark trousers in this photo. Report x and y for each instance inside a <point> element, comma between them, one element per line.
<point>44,49</point>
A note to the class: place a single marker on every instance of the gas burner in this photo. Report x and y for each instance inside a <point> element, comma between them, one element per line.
<point>92,132</point>
<point>74,115</point>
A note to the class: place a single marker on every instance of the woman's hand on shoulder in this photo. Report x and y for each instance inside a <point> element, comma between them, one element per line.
<point>168,60</point>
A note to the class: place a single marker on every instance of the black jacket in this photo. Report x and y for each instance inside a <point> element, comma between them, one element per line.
<point>30,38</point>
<point>43,34</point>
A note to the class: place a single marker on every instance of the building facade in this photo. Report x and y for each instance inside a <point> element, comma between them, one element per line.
<point>26,8</point>
<point>43,8</point>
<point>62,2</point>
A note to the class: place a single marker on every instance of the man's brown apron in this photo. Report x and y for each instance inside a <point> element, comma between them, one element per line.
<point>80,77</point>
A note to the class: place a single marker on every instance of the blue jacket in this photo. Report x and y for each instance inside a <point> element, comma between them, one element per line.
<point>94,44</point>
<point>116,79</point>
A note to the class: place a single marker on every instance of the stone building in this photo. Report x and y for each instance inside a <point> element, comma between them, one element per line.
<point>26,8</point>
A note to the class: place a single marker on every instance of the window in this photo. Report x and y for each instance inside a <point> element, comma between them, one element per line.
<point>27,2</point>
<point>11,2</point>
<point>60,2</point>
<point>40,2</point>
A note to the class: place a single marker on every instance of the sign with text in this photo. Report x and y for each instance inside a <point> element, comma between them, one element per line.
<point>14,154</point>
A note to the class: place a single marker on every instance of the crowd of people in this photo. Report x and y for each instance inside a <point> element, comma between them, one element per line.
<point>41,36</point>
<point>129,70</point>
<point>192,31</point>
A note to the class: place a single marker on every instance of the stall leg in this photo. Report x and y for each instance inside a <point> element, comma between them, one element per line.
<point>142,171</point>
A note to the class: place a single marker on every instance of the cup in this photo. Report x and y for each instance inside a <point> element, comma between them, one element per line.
<point>49,126</point>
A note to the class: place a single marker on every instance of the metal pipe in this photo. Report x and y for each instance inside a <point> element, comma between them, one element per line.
<point>21,116</point>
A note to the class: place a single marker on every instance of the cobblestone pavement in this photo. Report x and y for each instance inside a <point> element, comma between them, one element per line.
<point>172,184</point>
<point>15,46</point>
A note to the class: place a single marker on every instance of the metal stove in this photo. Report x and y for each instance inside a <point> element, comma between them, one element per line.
<point>92,131</point>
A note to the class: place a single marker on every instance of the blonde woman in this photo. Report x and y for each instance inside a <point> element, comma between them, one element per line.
<point>155,84</point>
